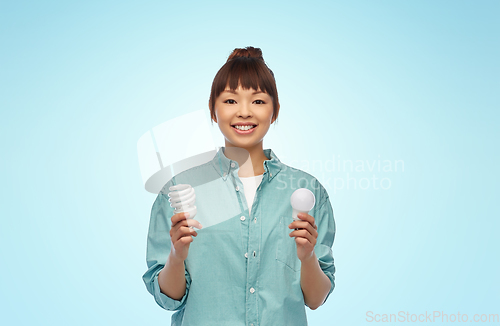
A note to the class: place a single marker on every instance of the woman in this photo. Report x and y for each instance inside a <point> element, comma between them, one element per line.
<point>252,264</point>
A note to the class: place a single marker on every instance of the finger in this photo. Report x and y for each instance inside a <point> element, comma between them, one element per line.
<point>303,234</point>
<point>183,217</point>
<point>306,217</point>
<point>194,223</point>
<point>188,222</point>
<point>189,231</point>
<point>183,231</point>
<point>301,241</point>
<point>186,240</point>
<point>176,227</point>
<point>191,223</point>
<point>179,217</point>
<point>304,225</point>
<point>178,245</point>
<point>299,225</point>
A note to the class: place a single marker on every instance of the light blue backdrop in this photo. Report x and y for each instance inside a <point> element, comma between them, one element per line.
<point>413,83</point>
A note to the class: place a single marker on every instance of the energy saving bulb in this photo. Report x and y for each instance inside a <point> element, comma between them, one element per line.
<point>182,198</point>
<point>302,201</point>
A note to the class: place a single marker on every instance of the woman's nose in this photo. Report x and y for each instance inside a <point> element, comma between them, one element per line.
<point>245,110</point>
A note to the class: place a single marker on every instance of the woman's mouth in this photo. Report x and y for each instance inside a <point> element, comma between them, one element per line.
<point>244,130</point>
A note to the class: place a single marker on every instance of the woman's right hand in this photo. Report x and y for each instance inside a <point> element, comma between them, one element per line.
<point>181,235</point>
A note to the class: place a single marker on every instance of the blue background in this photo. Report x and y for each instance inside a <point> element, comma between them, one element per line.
<point>415,81</point>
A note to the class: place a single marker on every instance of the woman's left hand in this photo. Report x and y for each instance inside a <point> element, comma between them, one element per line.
<point>305,235</point>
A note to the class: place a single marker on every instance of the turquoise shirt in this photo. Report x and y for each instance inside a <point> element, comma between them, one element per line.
<point>241,269</point>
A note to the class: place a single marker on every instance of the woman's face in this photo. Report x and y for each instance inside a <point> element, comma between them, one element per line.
<point>238,110</point>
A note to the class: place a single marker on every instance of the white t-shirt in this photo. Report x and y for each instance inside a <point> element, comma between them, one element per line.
<point>250,185</point>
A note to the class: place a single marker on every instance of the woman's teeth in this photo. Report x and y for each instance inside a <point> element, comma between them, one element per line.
<point>243,127</point>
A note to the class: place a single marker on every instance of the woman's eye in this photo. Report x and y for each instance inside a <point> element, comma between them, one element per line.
<point>259,102</point>
<point>230,101</point>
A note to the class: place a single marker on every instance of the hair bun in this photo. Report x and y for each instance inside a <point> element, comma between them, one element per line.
<point>248,52</point>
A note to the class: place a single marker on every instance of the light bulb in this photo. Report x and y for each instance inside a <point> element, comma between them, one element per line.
<point>182,198</point>
<point>302,201</point>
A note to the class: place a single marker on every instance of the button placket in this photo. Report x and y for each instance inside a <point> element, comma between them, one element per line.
<point>252,261</point>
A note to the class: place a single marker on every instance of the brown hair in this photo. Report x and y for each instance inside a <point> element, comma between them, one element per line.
<point>246,67</point>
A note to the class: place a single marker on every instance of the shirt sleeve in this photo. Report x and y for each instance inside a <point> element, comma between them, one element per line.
<point>158,249</point>
<point>326,234</point>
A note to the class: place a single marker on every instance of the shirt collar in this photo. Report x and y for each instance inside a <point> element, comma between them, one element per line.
<point>223,165</point>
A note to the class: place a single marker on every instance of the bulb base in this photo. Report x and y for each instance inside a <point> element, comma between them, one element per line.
<point>295,212</point>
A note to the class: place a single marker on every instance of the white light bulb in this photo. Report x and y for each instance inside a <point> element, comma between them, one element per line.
<point>302,201</point>
<point>182,198</point>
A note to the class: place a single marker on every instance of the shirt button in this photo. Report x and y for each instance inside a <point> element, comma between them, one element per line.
<point>224,174</point>
<point>232,165</point>
<point>237,188</point>
<point>246,254</point>
<point>270,174</point>
<point>242,218</point>
<point>252,290</point>
<point>255,220</point>
<point>254,253</point>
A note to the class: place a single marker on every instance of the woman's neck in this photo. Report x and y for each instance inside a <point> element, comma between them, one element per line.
<point>250,160</point>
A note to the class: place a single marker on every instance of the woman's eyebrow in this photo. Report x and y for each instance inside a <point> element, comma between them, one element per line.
<point>236,93</point>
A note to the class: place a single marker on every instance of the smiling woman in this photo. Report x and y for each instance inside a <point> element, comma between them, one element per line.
<point>244,102</point>
<point>245,68</point>
<point>244,117</point>
<point>248,269</point>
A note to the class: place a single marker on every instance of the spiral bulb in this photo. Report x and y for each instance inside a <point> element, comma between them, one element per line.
<point>182,198</point>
